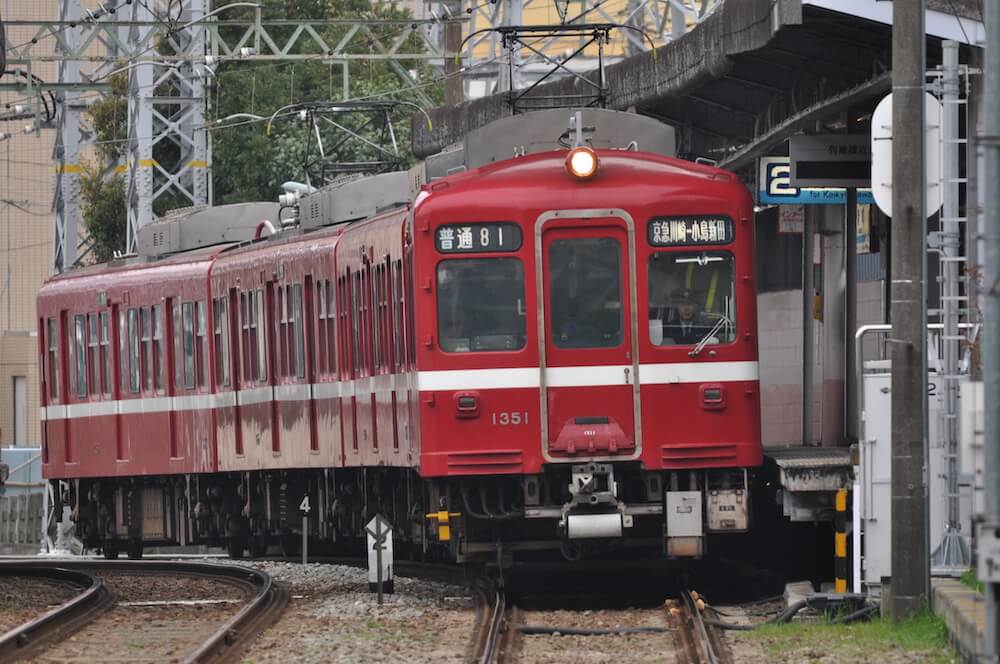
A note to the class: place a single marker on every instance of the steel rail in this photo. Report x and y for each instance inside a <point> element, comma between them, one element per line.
<point>700,633</point>
<point>59,621</point>
<point>488,633</point>
<point>257,614</point>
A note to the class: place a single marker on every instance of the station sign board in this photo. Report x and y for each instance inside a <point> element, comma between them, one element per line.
<point>473,238</point>
<point>831,160</point>
<point>689,230</point>
<point>775,184</point>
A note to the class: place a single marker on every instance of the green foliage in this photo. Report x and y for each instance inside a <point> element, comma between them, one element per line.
<point>970,580</point>
<point>109,119</point>
<point>104,212</point>
<point>923,638</point>
<point>250,165</point>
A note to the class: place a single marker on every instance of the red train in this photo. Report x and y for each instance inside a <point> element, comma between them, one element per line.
<point>555,350</point>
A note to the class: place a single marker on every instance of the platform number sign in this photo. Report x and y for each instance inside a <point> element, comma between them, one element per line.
<point>474,238</point>
<point>304,505</point>
<point>690,230</point>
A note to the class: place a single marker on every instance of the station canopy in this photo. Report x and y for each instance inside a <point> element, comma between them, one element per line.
<point>749,76</point>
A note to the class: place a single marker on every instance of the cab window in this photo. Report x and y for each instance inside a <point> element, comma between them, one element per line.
<point>691,298</point>
<point>481,304</point>
<point>585,286</point>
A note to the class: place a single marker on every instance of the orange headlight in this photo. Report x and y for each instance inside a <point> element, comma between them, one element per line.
<point>581,162</point>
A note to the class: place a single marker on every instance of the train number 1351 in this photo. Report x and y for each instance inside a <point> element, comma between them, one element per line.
<point>514,418</point>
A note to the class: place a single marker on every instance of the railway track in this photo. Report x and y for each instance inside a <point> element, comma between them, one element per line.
<point>675,629</point>
<point>87,597</point>
<point>162,611</point>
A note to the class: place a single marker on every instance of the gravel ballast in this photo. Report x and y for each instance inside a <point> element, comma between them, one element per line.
<point>332,617</point>
<point>24,598</point>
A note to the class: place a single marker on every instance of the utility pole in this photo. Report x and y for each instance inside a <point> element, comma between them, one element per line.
<point>990,140</point>
<point>910,573</point>
<point>454,84</point>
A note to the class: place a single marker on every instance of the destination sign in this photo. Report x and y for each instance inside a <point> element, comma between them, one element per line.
<point>690,230</point>
<point>468,238</point>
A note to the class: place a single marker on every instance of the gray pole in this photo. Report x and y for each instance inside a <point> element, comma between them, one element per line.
<point>991,303</point>
<point>454,85</point>
<point>808,245</point>
<point>952,553</point>
<point>910,578</point>
<point>851,314</point>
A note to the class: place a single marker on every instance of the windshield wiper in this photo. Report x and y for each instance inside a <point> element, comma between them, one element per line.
<point>700,346</point>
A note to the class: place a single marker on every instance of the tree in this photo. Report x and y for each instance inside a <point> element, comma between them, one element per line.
<point>103,205</point>
<point>249,165</point>
<point>102,198</point>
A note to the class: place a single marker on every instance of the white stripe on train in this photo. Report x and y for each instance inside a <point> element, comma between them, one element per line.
<point>427,381</point>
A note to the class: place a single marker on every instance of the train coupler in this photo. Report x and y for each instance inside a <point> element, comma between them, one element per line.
<point>593,510</point>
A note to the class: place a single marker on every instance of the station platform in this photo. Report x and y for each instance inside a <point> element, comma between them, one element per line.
<point>964,611</point>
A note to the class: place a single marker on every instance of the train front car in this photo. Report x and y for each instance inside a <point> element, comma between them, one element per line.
<point>588,355</point>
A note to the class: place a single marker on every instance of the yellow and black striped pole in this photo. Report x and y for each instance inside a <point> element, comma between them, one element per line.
<point>840,543</point>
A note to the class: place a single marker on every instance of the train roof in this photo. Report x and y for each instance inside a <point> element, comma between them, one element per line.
<point>537,181</point>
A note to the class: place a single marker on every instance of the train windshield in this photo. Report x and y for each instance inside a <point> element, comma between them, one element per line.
<point>585,284</point>
<point>691,298</point>
<point>481,304</point>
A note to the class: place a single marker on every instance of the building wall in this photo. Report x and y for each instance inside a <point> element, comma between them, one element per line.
<point>26,187</point>
<point>780,335</point>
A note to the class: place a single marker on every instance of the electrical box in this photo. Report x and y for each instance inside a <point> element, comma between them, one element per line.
<point>684,514</point>
<point>727,510</point>
<point>684,536</point>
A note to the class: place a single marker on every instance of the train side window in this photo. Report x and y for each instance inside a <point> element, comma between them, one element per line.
<point>481,304</point>
<point>246,352</point>
<point>53,338</point>
<point>331,324</point>
<point>281,366</point>
<point>298,342</point>
<point>105,354</point>
<point>355,316</point>
<point>93,356</point>
<point>201,347</point>
<point>80,353</point>
<point>377,296</point>
<point>261,338</point>
<point>145,351</point>
<point>410,320</point>
<point>397,315</point>
<point>158,351</point>
<point>123,349</point>
<point>220,324</point>
<point>585,292</point>
<point>133,349</point>
<point>342,313</point>
<point>187,342</point>
<point>321,364</point>
<point>177,333</point>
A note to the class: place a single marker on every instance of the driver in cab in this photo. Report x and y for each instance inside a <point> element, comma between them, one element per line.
<point>686,328</point>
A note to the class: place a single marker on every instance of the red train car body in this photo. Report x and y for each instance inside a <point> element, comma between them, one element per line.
<point>518,353</point>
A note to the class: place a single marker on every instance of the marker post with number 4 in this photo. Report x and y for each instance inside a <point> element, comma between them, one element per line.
<point>379,535</point>
<point>304,508</point>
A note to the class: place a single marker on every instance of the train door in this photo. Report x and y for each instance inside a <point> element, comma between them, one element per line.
<point>588,336</point>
